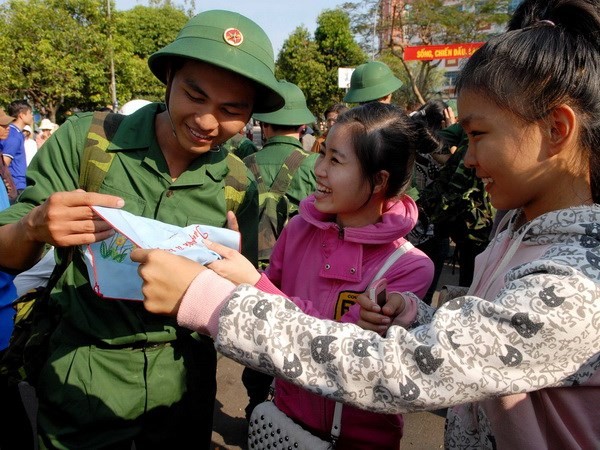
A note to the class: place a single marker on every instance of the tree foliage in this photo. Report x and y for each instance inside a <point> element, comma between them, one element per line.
<point>141,32</point>
<point>423,22</point>
<point>53,52</point>
<point>312,63</point>
<point>57,52</point>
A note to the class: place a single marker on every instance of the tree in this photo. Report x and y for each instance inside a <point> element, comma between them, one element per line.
<point>299,63</point>
<point>59,52</point>
<point>141,31</point>
<point>424,22</point>
<point>313,64</point>
<point>54,52</point>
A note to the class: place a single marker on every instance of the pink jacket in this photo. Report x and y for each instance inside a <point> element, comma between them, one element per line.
<point>323,268</point>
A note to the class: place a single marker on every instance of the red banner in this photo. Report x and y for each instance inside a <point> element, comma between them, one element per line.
<point>449,51</point>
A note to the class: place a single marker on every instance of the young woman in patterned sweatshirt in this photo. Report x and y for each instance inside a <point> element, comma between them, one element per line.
<point>516,360</point>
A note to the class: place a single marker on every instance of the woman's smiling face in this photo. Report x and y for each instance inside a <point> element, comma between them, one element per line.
<point>342,188</point>
<point>506,153</point>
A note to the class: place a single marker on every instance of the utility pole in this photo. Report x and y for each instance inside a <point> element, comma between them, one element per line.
<point>113,83</point>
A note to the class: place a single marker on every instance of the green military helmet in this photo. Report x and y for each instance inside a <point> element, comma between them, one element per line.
<point>231,41</point>
<point>371,81</point>
<point>294,112</point>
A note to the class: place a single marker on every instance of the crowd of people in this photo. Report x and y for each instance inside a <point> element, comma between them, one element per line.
<point>513,358</point>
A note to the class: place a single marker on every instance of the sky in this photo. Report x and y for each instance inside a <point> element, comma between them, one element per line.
<point>279,18</point>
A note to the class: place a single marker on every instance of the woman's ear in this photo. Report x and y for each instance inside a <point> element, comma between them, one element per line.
<point>562,128</point>
<point>381,182</point>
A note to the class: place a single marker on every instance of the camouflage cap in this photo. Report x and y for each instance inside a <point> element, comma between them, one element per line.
<point>371,81</point>
<point>231,41</point>
<point>294,112</point>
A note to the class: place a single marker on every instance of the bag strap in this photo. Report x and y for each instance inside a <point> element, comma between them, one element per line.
<point>96,161</point>
<point>250,161</point>
<point>336,425</point>
<point>236,182</point>
<point>391,260</point>
<point>282,181</point>
<point>286,173</point>
<point>93,169</point>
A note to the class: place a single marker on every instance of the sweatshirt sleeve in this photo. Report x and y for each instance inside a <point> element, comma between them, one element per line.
<point>470,349</point>
<point>203,301</point>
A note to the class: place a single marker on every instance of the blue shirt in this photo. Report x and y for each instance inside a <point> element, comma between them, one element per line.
<point>14,147</point>
<point>8,291</point>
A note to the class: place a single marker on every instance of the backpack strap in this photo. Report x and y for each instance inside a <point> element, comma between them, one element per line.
<point>96,160</point>
<point>236,182</point>
<point>250,162</point>
<point>286,173</point>
<point>284,176</point>
<point>273,213</point>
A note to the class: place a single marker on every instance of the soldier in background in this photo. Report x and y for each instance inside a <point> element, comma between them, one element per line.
<point>284,174</point>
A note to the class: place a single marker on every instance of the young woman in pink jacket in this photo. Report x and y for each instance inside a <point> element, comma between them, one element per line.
<point>331,251</point>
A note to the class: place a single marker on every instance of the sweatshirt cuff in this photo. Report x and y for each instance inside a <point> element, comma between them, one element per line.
<point>201,305</point>
<point>406,318</point>
<point>266,285</point>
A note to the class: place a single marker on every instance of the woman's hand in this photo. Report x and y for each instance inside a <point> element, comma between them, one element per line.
<point>234,266</point>
<point>166,278</point>
<point>376,318</point>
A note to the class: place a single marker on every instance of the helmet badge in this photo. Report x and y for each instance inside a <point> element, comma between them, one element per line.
<point>233,36</point>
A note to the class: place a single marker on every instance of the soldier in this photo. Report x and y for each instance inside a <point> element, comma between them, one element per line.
<point>372,81</point>
<point>116,375</point>
<point>285,175</point>
<point>240,145</point>
<point>282,167</point>
<point>458,206</point>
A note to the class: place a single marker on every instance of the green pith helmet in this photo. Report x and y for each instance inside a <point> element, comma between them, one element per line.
<point>371,81</point>
<point>295,111</point>
<point>231,41</point>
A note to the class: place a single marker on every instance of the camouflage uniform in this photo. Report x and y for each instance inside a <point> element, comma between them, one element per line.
<point>458,205</point>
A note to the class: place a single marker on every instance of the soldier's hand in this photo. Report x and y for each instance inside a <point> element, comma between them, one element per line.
<point>66,218</point>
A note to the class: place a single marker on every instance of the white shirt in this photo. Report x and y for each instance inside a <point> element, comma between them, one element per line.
<point>31,149</point>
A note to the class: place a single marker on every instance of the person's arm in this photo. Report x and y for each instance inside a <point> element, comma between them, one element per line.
<point>472,348</point>
<point>7,160</point>
<point>51,209</point>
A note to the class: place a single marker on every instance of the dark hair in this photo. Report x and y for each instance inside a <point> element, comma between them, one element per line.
<point>384,138</point>
<point>549,56</point>
<point>284,128</point>
<point>17,107</point>
<point>339,108</point>
<point>431,116</point>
